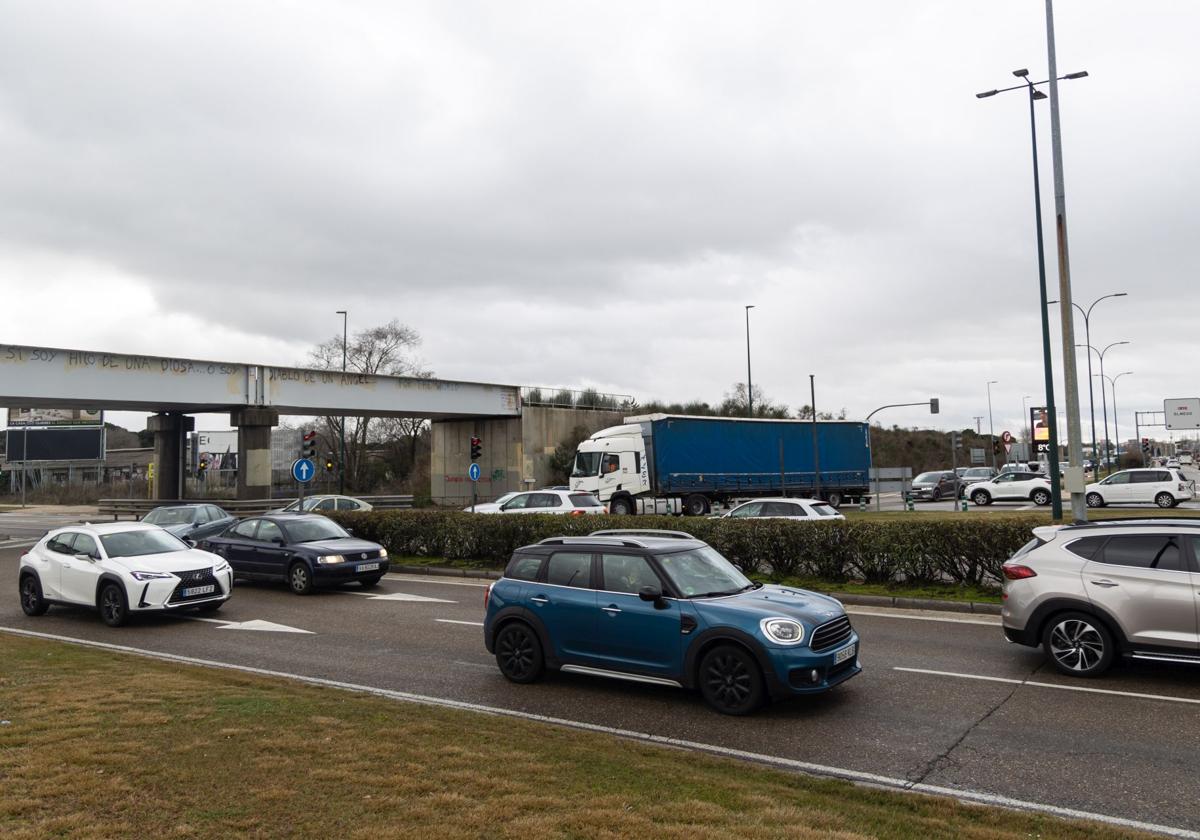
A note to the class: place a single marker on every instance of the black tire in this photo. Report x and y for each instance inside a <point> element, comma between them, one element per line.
<point>519,653</point>
<point>32,602</point>
<point>370,583</point>
<point>936,495</point>
<point>1095,500</point>
<point>299,579</point>
<point>114,607</point>
<point>1041,498</point>
<point>834,499</point>
<point>621,506</point>
<point>1165,500</point>
<point>730,680</point>
<point>1079,645</point>
<point>695,505</point>
<point>981,498</point>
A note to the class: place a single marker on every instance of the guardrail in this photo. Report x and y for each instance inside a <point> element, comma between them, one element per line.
<point>137,508</point>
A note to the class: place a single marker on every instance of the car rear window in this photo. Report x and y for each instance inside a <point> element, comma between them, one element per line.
<point>823,509</point>
<point>1086,547</point>
<point>523,567</point>
<point>584,500</point>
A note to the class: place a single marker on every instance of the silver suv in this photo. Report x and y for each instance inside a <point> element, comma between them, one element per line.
<point>1090,593</point>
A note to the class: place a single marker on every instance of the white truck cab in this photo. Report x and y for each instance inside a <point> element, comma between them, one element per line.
<point>612,465</point>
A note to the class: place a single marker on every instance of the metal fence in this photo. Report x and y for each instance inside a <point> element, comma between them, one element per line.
<point>566,398</point>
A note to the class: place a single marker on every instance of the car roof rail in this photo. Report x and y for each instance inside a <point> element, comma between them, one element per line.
<point>1147,522</point>
<point>591,539</point>
<point>642,532</point>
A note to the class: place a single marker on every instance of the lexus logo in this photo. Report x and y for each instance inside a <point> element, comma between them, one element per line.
<point>198,576</point>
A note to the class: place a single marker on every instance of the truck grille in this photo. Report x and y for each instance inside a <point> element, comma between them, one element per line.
<point>196,577</point>
<point>831,635</point>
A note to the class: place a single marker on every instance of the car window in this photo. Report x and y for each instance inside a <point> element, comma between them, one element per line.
<point>584,500</point>
<point>1117,478</point>
<point>268,531</point>
<point>1086,546</point>
<point>347,504</point>
<point>824,509</point>
<point>201,516</point>
<point>325,504</point>
<point>748,509</point>
<point>1148,477</point>
<point>1166,475</point>
<point>524,567</point>
<point>245,530</point>
<point>1143,551</point>
<point>165,516</point>
<point>546,500</point>
<point>518,502</point>
<point>215,513</point>
<point>627,573</point>
<point>570,568</point>
<point>783,509</point>
<point>61,544</point>
<point>84,544</point>
<point>610,463</point>
<point>1003,478</point>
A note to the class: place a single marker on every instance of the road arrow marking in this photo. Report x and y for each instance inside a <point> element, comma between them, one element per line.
<point>399,596</point>
<point>266,626</point>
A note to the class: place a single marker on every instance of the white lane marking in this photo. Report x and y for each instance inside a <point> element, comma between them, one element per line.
<point>24,544</point>
<point>443,582</point>
<point>253,624</point>
<point>961,794</point>
<point>456,621</point>
<point>1081,688</point>
<point>400,596</point>
<point>872,611</point>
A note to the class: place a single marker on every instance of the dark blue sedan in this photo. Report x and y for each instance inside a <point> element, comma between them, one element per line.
<point>305,550</point>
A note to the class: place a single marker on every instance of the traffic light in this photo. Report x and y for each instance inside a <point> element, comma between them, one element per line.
<point>329,463</point>
<point>956,440</point>
<point>1146,446</point>
<point>935,405</point>
<point>203,465</point>
<point>476,449</point>
<point>308,445</point>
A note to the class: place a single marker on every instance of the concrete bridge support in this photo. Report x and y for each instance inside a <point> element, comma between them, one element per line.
<point>254,445</point>
<point>170,430</point>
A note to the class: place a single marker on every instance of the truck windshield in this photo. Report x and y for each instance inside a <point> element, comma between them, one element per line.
<point>703,572</point>
<point>586,463</point>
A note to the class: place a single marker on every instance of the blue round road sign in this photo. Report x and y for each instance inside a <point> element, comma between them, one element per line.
<point>303,470</point>
<point>474,472</point>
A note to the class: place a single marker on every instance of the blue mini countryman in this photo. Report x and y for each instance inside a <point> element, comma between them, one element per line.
<point>665,608</point>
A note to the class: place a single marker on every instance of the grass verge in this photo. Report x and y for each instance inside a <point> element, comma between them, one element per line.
<point>99,744</point>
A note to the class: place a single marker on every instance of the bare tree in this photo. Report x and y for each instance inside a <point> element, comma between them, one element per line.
<point>387,350</point>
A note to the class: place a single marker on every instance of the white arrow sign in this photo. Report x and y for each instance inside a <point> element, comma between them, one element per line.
<point>402,596</point>
<point>254,624</point>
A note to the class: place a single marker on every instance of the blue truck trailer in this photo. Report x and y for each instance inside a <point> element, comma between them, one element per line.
<point>662,463</point>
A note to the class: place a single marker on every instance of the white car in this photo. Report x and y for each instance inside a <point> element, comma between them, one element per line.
<point>1173,463</point>
<point>320,504</point>
<point>799,510</point>
<point>544,501</point>
<point>121,568</point>
<point>1012,487</point>
<point>1157,485</point>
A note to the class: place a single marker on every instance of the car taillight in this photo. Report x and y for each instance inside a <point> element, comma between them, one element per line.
<point>1015,571</point>
<point>487,596</point>
<point>577,512</point>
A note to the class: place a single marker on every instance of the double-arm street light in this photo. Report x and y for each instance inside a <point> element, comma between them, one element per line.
<point>1103,398</point>
<point>749,384</point>
<point>1112,381</point>
<point>1047,358</point>
<point>1087,338</point>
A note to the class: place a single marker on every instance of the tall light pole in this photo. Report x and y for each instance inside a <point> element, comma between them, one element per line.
<point>1087,337</point>
<point>1025,419</point>
<point>1103,398</point>
<point>749,384</point>
<point>342,424</point>
<point>1047,357</point>
<point>991,426</point>
<point>1112,380</point>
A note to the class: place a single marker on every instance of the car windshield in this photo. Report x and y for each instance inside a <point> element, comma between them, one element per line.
<point>586,463</point>
<point>137,543</point>
<point>701,572</point>
<point>311,530</point>
<point>928,478</point>
<point>171,516</point>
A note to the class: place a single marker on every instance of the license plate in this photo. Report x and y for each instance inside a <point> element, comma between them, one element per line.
<point>367,567</point>
<point>192,591</point>
<point>844,654</point>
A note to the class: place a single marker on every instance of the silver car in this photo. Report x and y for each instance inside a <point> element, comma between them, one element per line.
<point>1090,593</point>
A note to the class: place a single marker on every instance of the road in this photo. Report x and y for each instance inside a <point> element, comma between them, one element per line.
<point>942,701</point>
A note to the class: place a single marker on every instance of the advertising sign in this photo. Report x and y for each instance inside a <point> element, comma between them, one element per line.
<point>1182,413</point>
<point>1039,422</point>
<point>69,444</point>
<point>55,417</point>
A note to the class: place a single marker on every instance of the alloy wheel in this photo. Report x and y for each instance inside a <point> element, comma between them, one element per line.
<point>729,681</point>
<point>112,606</point>
<point>1076,645</point>
<point>516,653</point>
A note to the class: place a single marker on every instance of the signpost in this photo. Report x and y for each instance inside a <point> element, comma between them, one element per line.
<point>473,474</point>
<point>1039,422</point>
<point>303,471</point>
<point>1182,413</point>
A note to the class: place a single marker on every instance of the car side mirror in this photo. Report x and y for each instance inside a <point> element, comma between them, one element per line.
<point>651,593</point>
<point>350,531</point>
<point>277,540</point>
<point>89,558</point>
<point>192,543</point>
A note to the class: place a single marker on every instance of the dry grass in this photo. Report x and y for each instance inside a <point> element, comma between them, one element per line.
<point>103,745</point>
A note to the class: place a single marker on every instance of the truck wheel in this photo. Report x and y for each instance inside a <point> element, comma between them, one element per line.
<point>695,505</point>
<point>622,506</point>
<point>834,499</point>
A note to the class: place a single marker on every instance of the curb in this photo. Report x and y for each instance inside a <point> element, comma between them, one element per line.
<point>846,598</point>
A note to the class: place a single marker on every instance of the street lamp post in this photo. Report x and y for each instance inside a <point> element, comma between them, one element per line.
<point>991,426</point>
<point>1025,419</point>
<point>1112,381</point>
<point>1047,357</point>
<point>342,425</point>
<point>1103,397</point>
<point>749,384</point>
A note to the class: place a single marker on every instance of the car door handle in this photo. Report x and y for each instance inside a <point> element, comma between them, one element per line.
<point>1107,584</point>
<point>539,599</point>
<point>611,610</point>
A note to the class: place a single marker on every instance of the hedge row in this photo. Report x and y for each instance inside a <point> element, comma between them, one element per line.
<point>967,552</point>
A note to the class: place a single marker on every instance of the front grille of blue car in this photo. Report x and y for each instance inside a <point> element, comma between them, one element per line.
<point>831,635</point>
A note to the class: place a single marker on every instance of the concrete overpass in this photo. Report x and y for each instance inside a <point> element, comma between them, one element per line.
<point>254,395</point>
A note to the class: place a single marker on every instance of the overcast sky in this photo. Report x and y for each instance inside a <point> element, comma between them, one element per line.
<point>587,194</point>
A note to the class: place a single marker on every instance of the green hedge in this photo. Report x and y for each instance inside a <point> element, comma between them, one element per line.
<point>967,552</point>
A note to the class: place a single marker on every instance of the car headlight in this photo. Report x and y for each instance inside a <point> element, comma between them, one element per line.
<point>150,575</point>
<point>220,567</point>
<point>383,554</point>
<point>330,559</point>
<point>782,631</point>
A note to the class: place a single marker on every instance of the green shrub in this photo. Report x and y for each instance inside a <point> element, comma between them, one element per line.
<point>918,550</point>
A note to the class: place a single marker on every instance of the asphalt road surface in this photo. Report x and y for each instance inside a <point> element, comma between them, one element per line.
<point>943,699</point>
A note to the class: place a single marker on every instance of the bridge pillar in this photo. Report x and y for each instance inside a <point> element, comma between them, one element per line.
<point>254,448</point>
<point>170,429</point>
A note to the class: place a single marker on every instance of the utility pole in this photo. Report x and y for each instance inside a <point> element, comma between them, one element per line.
<point>812,388</point>
<point>342,471</point>
<point>749,383</point>
<point>979,424</point>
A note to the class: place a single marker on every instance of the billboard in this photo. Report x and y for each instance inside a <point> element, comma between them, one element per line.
<point>65,444</point>
<point>1039,424</point>
<point>55,417</point>
<point>1182,413</point>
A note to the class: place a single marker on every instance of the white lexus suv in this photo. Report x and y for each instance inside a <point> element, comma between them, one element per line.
<point>121,568</point>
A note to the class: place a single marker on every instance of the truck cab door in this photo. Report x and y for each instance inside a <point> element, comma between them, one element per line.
<point>612,476</point>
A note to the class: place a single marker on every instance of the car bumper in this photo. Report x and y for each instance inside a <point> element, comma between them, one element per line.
<point>164,595</point>
<point>800,671</point>
<point>923,493</point>
<point>344,572</point>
